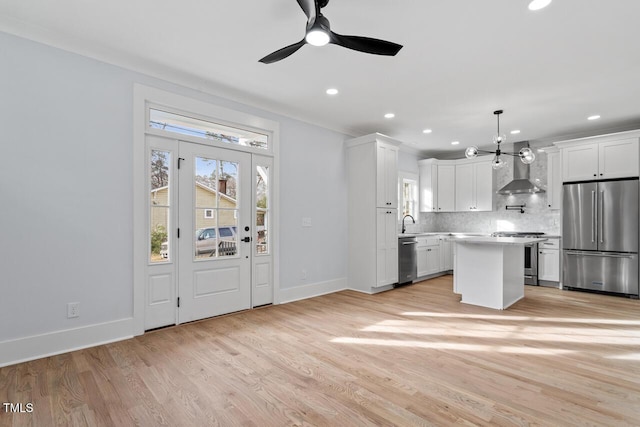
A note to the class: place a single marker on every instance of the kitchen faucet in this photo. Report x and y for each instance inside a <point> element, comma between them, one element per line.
<point>403,227</point>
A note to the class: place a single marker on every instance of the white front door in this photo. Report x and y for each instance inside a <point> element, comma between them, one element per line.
<point>214,220</point>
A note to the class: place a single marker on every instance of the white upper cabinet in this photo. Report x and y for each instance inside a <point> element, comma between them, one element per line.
<point>456,185</point>
<point>554,179</point>
<point>464,188</point>
<point>606,158</point>
<point>446,188</point>
<point>484,192</point>
<point>428,185</point>
<point>618,159</point>
<point>387,175</point>
<point>474,186</point>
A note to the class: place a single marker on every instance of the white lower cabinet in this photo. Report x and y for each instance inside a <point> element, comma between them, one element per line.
<point>428,256</point>
<point>434,255</point>
<point>387,247</point>
<point>446,254</point>
<point>549,260</point>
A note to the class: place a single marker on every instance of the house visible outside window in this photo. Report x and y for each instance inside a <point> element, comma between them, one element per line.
<point>208,213</point>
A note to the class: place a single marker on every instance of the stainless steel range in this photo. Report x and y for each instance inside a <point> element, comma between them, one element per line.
<point>530,254</point>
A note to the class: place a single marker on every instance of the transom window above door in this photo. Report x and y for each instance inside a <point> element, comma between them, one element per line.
<point>184,125</point>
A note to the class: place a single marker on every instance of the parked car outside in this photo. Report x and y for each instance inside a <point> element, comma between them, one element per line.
<point>207,240</point>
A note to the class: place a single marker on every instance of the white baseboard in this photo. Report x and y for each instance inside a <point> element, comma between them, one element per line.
<point>312,290</point>
<point>38,346</point>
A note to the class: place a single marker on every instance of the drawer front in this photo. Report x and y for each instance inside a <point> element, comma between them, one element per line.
<point>610,273</point>
<point>550,244</point>
<point>433,241</point>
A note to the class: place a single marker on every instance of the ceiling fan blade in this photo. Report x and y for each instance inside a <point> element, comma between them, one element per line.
<point>282,53</point>
<point>310,8</point>
<point>366,44</point>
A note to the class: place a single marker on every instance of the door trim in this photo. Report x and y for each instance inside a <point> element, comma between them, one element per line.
<point>143,96</point>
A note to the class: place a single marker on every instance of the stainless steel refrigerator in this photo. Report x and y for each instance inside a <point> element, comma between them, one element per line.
<point>600,236</point>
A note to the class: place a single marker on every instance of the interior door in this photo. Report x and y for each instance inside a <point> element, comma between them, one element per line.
<point>214,220</point>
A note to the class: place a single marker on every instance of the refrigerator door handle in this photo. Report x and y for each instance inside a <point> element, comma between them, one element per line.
<point>601,216</point>
<point>599,254</point>
<point>594,216</point>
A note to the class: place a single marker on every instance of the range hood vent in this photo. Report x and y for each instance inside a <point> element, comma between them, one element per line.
<point>521,183</point>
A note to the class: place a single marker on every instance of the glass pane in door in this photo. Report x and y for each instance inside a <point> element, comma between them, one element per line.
<point>228,209</point>
<point>160,206</point>
<point>206,234</point>
<point>216,208</point>
<point>262,210</point>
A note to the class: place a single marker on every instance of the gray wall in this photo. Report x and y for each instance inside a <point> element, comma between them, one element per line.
<point>66,185</point>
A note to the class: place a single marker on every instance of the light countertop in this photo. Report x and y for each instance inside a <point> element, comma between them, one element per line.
<point>499,240</point>
<point>459,235</point>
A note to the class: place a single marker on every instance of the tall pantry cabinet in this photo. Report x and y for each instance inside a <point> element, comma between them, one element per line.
<point>372,174</point>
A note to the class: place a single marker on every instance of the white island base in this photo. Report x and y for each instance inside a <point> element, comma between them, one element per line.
<point>489,271</point>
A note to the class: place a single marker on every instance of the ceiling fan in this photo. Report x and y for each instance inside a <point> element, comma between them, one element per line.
<point>319,33</point>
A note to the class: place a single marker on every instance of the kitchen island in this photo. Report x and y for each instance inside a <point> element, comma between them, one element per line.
<point>489,271</point>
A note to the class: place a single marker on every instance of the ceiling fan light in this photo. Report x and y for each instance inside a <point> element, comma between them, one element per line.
<point>471,152</point>
<point>317,37</point>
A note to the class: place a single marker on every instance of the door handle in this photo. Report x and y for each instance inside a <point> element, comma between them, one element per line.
<point>601,216</point>
<point>246,239</point>
<point>594,216</point>
<point>600,254</point>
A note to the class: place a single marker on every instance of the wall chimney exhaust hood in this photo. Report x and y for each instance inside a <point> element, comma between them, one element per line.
<point>521,183</point>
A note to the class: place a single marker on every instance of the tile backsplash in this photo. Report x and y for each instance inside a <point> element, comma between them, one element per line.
<point>536,217</point>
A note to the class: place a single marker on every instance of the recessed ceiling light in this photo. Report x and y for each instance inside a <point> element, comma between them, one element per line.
<point>389,116</point>
<point>515,132</point>
<point>594,117</point>
<point>332,91</point>
<point>455,143</point>
<point>539,4</point>
<point>427,131</point>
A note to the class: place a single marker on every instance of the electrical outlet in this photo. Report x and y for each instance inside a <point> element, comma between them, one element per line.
<point>73,310</point>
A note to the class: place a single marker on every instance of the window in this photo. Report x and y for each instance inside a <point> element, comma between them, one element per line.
<point>263,206</point>
<point>184,125</point>
<point>408,195</point>
<point>208,213</point>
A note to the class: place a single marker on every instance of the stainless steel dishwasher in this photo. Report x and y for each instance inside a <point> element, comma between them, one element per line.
<point>407,269</point>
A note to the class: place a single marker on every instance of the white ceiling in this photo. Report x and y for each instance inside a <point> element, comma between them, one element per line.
<point>462,59</point>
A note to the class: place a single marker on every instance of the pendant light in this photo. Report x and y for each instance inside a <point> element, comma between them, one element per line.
<point>526,154</point>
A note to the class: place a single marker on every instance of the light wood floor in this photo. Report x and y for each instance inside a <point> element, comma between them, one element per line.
<point>411,356</point>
